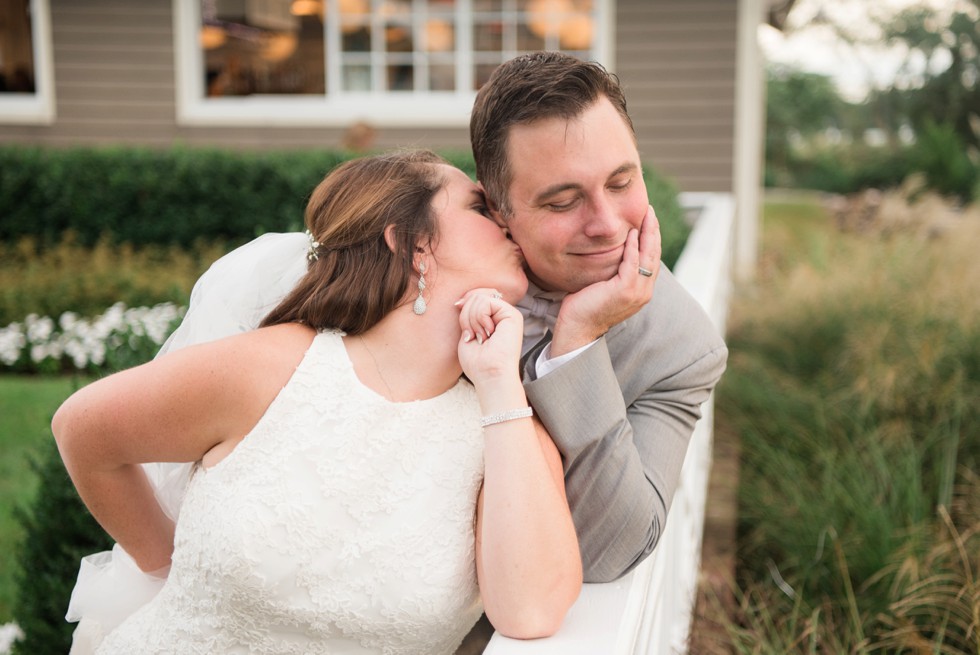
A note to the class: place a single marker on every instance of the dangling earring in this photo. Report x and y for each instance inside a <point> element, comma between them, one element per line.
<point>419,307</point>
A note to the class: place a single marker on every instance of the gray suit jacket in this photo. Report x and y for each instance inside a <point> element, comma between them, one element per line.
<point>622,414</point>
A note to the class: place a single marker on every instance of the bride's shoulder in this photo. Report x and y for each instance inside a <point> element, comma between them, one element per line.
<point>286,332</point>
<point>262,347</point>
<point>277,341</point>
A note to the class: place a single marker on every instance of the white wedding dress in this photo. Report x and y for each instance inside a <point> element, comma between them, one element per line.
<point>343,523</point>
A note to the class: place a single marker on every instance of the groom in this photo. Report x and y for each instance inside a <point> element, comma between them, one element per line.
<point>624,356</point>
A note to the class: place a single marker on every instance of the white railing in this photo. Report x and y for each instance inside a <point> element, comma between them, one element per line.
<point>649,610</point>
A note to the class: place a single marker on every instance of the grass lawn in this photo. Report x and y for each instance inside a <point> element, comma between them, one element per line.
<point>26,406</point>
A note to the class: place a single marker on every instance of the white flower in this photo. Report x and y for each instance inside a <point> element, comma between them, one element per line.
<point>113,318</point>
<point>9,633</point>
<point>76,350</point>
<point>158,320</point>
<point>12,342</point>
<point>85,341</point>
<point>96,352</point>
<point>39,328</point>
<point>68,321</point>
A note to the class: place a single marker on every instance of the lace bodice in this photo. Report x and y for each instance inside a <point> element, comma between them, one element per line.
<point>343,523</point>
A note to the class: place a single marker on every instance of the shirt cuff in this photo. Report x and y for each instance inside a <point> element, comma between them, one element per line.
<point>545,364</point>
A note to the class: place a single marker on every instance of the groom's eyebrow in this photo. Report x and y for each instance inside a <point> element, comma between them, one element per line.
<point>555,189</point>
<point>628,167</point>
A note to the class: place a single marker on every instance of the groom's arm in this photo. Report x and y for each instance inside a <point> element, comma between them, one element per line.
<point>623,457</point>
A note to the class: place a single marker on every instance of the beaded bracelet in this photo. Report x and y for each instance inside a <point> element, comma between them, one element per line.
<point>510,415</point>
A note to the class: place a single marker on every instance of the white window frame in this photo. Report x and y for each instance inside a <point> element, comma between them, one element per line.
<point>336,108</point>
<point>37,107</point>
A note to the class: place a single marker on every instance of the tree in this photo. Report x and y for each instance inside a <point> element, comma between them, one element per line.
<point>798,104</point>
<point>938,95</point>
<point>935,98</point>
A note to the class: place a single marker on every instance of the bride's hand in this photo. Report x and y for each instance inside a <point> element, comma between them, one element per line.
<point>492,331</point>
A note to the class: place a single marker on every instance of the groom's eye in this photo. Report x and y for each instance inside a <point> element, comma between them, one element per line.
<point>561,205</point>
<point>621,185</point>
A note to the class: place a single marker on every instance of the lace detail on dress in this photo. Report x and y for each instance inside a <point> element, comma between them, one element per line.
<point>343,523</point>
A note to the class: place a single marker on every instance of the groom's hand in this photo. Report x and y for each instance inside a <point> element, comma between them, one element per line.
<point>589,313</point>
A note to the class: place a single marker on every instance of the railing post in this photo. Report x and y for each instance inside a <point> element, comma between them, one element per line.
<point>750,119</point>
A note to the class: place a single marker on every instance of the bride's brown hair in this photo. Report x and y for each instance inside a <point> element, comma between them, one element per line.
<point>356,278</point>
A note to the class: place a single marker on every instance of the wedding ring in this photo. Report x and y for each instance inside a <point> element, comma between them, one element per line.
<point>645,272</point>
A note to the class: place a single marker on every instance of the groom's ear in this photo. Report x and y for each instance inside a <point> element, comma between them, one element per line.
<point>492,207</point>
<point>498,218</point>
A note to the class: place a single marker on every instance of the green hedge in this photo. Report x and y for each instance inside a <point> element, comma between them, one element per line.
<point>674,230</point>
<point>183,196</point>
<point>143,196</point>
<point>59,531</point>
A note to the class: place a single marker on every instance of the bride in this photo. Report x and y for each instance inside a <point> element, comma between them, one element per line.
<point>367,476</point>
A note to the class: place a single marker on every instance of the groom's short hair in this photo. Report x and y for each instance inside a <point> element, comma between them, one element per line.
<point>529,88</point>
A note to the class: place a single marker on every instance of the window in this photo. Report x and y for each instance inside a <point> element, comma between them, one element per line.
<point>334,62</point>
<point>26,84</point>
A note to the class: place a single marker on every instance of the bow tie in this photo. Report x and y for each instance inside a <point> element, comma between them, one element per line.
<point>543,306</point>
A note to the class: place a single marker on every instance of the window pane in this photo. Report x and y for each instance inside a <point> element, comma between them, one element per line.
<point>401,77</point>
<point>357,77</point>
<point>554,24</point>
<point>528,39</point>
<point>442,77</point>
<point>355,38</point>
<point>488,37</point>
<point>542,21</point>
<point>440,34</point>
<point>398,38</point>
<point>254,47</point>
<point>576,32</point>
<point>16,47</point>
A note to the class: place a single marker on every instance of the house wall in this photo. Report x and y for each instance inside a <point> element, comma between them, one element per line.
<point>676,60</point>
<point>115,84</point>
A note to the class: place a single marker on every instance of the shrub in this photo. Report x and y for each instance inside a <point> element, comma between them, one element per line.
<point>71,277</point>
<point>844,168</point>
<point>938,153</point>
<point>185,196</point>
<point>673,228</point>
<point>59,531</point>
<point>942,156</point>
<point>142,196</point>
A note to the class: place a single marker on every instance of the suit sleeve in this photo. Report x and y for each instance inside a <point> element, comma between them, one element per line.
<point>623,432</point>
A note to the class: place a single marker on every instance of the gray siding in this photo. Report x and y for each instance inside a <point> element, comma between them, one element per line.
<point>676,60</point>
<point>114,78</point>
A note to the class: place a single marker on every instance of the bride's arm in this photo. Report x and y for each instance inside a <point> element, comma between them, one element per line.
<point>528,561</point>
<point>173,409</point>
